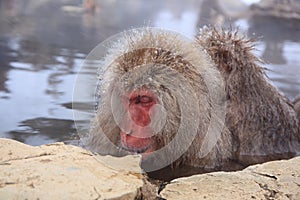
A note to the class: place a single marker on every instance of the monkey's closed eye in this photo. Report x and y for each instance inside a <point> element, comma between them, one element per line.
<point>143,100</point>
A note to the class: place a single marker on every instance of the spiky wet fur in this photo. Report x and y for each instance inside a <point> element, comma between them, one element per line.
<point>262,121</point>
<point>260,124</point>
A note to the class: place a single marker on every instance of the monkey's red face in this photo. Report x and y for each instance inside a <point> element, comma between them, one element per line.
<point>138,137</point>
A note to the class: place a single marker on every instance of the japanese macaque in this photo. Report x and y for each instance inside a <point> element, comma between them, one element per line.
<point>204,104</point>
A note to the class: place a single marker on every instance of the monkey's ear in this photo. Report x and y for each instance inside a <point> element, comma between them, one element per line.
<point>227,49</point>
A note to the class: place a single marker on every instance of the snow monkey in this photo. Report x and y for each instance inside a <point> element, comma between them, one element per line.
<point>202,104</point>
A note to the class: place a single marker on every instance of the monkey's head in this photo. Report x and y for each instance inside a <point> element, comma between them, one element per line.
<point>156,98</point>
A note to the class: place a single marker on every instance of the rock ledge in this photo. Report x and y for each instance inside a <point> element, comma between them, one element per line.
<point>272,180</point>
<point>59,171</point>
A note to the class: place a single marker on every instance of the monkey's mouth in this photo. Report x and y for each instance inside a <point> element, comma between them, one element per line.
<point>134,144</point>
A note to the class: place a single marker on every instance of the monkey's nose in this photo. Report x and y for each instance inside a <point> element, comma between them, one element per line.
<point>139,115</point>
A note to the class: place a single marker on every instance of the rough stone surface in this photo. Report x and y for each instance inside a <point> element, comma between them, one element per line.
<point>272,180</point>
<point>59,171</point>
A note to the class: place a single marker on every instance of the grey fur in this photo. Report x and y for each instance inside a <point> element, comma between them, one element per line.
<point>260,124</point>
<point>262,121</point>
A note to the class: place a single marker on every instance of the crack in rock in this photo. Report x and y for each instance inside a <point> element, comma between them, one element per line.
<point>6,162</point>
<point>99,195</point>
<point>271,193</point>
<point>266,175</point>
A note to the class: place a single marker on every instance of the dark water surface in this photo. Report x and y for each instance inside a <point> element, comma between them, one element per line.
<point>44,43</point>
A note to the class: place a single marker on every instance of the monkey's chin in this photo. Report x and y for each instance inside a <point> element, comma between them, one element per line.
<point>144,151</point>
<point>136,151</point>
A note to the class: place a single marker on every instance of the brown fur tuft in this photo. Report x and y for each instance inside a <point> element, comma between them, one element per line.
<point>261,119</point>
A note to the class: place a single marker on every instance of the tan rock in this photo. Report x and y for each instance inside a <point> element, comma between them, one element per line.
<point>59,171</point>
<point>272,180</point>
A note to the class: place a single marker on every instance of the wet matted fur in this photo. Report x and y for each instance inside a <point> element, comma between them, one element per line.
<point>260,125</point>
<point>261,120</point>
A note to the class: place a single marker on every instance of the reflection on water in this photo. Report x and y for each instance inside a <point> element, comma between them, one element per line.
<point>40,130</point>
<point>44,43</point>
